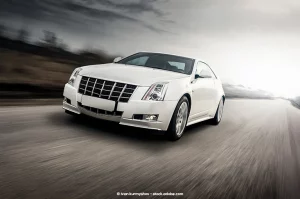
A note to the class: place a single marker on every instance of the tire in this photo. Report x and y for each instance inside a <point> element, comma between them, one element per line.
<point>179,119</point>
<point>219,113</point>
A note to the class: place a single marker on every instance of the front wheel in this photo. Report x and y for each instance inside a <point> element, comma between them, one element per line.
<point>179,119</point>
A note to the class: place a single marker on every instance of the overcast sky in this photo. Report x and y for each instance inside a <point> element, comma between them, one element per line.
<point>251,42</point>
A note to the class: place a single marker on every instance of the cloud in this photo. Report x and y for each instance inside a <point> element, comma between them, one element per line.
<point>65,12</point>
<point>108,15</point>
<point>96,13</point>
<point>134,7</point>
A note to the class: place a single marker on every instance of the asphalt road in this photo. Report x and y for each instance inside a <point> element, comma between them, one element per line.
<point>253,153</point>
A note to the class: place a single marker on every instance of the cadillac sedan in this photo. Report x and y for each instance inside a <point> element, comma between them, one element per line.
<point>147,90</point>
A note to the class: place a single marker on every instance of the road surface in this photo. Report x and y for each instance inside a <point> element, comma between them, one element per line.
<point>253,153</point>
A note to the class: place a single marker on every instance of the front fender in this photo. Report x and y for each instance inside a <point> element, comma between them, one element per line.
<point>178,88</point>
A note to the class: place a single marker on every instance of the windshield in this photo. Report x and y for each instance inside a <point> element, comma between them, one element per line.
<point>160,61</point>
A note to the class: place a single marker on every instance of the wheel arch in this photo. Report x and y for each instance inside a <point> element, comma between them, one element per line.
<point>188,96</point>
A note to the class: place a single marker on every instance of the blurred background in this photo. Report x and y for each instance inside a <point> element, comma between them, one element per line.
<point>253,45</point>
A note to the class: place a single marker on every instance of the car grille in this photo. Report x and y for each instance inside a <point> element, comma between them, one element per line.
<point>100,111</point>
<point>110,90</point>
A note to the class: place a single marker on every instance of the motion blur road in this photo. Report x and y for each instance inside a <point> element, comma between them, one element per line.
<point>253,153</point>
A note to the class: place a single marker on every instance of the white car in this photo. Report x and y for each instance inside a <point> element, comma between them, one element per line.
<point>148,90</point>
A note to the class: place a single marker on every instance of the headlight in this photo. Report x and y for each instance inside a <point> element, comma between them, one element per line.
<point>74,76</point>
<point>156,92</point>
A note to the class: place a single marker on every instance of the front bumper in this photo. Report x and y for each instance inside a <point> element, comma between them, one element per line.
<point>93,106</point>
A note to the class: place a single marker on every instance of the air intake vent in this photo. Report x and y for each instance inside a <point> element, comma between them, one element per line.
<point>100,111</point>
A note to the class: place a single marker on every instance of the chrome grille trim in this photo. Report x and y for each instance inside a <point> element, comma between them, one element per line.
<point>94,85</point>
<point>111,90</point>
<point>121,92</point>
<point>101,89</point>
<point>86,85</point>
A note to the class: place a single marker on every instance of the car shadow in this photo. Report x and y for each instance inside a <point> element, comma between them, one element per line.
<point>98,128</point>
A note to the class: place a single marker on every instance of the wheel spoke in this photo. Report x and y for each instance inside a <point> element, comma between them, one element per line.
<point>220,110</point>
<point>181,118</point>
<point>177,127</point>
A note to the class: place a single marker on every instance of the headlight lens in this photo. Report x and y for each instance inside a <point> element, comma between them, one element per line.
<point>74,76</point>
<point>156,92</point>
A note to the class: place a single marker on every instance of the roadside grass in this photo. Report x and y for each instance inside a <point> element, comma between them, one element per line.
<point>22,68</point>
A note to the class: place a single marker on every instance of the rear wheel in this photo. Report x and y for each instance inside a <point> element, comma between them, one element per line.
<point>219,113</point>
<point>179,119</point>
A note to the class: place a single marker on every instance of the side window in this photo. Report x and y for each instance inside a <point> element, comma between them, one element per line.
<point>140,61</point>
<point>200,67</point>
<point>203,70</point>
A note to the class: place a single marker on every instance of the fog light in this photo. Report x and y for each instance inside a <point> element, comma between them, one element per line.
<point>150,117</point>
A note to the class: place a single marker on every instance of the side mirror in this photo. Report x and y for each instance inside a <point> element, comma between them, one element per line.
<point>203,74</point>
<point>197,76</point>
<point>117,59</point>
<point>206,76</point>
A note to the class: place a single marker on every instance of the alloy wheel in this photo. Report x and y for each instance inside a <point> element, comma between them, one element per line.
<point>181,118</point>
<point>220,110</point>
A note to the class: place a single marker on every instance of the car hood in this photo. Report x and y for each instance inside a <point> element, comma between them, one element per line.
<point>138,75</point>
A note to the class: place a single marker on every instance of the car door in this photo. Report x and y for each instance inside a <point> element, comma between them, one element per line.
<point>202,91</point>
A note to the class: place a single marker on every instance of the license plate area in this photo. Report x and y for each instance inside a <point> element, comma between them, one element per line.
<point>107,105</point>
